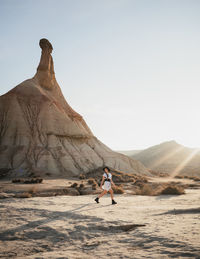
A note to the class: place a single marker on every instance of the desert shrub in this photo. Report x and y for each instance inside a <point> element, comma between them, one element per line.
<point>91,181</point>
<point>195,178</point>
<point>34,180</point>
<point>32,190</point>
<point>139,183</point>
<point>86,191</point>
<point>157,173</point>
<point>74,185</point>
<point>27,181</point>
<point>81,176</point>
<point>146,189</point>
<point>172,190</point>
<point>180,176</point>
<point>127,178</point>
<point>117,178</point>
<point>118,189</point>
<point>16,180</point>
<point>81,185</point>
<point>94,186</point>
<point>23,195</point>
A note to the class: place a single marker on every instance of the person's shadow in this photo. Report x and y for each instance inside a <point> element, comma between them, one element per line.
<point>89,206</point>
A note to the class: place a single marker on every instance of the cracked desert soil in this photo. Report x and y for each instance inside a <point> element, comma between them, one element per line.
<point>76,227</point>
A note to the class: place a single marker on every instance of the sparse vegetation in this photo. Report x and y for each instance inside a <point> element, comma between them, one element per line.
<point>81,185</point>
<point>194,178</point>
<point>33,190</point>
<point>74,185</point>
<point>146,189</point>
<point>23,195</point>
<point>118,189</point>
<point>94,186</point>
<point>82,176</point>
<point>172,190</point>
<point>91,181</point>
<point>158,189</point>
<point>158,174</point>
<point>27,181</point>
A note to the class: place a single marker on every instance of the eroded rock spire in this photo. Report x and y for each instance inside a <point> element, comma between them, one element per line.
<point>45,71</point>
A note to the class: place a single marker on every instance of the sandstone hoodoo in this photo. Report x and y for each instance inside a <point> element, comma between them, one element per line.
<point>40,134</point>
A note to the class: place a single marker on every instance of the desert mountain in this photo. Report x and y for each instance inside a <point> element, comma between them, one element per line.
<point>41,134</point>
<point>171,158</point>
<point>130,152</point>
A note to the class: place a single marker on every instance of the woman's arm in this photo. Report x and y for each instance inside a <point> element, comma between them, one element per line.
<point>102,181</point>
<point>113,183</point>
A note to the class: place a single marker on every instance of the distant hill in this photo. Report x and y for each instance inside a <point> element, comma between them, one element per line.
<point>130,152</point>
<point>171,158</point>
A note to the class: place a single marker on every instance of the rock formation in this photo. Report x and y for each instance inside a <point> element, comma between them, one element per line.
<point>41,134</point>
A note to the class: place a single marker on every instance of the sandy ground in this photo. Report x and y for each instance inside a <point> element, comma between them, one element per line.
<point>77,227</point>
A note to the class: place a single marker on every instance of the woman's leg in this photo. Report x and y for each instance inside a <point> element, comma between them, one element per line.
<point>112,197</point>
<point>102,194</point>
<point>111,194</point>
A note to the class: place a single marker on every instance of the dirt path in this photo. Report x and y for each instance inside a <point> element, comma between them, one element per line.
<point>76,227</point>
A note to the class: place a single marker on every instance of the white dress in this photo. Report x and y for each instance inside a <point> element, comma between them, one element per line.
<point>107,184</point>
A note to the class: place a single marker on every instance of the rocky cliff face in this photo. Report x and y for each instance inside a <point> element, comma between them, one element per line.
<point>40,133</point>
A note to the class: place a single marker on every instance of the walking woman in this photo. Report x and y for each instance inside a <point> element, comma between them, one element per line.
<point>106,184</point>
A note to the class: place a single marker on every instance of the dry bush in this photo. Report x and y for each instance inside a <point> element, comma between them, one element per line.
<point>157,173</point>
<point>74,185</point>
<point>94,186</point>
<point>33,190</point>
<point>91,181</point>
<point>195,178</point>
<point>82,176</point>
<point>86,191</point>
<point>118,189</point>
<point>73,192</point>
<point>27,181</point>
<point>172,190</point>
<point>123,177</point>
<point>17,180</point>
<point>139,183</point>
<point>23,195</point>
<point>146,189</point>
<point>81,185</point>
<point>33,180</point>
<point>179,177</point>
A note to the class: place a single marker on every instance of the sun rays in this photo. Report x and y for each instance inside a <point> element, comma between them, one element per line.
<point>184,163</point>
<point>167,156</point>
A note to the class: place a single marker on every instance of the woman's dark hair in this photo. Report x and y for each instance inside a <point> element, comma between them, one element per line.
<point>106,168</point>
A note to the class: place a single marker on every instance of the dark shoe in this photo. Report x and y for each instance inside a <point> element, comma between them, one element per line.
<point>114,202</point>
<point>97,200</point>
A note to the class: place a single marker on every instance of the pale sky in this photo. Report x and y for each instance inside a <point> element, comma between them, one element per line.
<point>131,68</point>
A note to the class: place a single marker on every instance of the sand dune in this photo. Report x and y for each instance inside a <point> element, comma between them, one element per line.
<point>76,227</point>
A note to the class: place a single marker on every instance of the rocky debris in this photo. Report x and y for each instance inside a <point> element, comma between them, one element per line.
<point>41,135</point>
